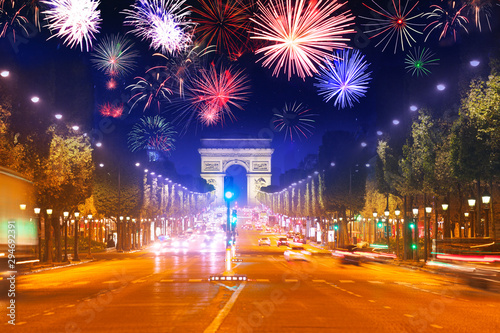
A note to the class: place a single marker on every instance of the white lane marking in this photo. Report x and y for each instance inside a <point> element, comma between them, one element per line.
<point>138,281</point>
<point>320,281</point>
<point>376,282</point>
<point>21,323</point>
<point>371,301</point>
<point>387,307</point>
<point>436,326</point>
<point>409,315</point>
<point>48,313</point>
<point>262,280</point>
<point>166,280</point>
<point>194,280</point>
<point>346,281</point>
<point>215,324</point>
<point>70,306</point>
<point>291,280</point>
<point>111,281</point>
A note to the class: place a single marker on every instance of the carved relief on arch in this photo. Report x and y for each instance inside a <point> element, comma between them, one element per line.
<point>227,163</point>
<point>260,182</point>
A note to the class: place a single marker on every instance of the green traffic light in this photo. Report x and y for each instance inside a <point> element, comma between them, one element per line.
<point>412,225</point>
<point>228,195</point>
<point>336,227</point>
<point>379,224</point>
<point>414,246</point>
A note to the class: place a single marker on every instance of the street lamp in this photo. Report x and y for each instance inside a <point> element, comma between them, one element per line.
<point>374,226</point>
<point>446,222</point>
<point>386,213</point>
<point>486,198</point>
<point>89,256</point>
<point>47,243</point>
<point>65,214</point>
<point>120,235</point>
<point>37,213</point>
<point>415,232</point>
<point>472,204</point>
<point>428,210</point>
<point>397,212</point>
<point>77,227</point>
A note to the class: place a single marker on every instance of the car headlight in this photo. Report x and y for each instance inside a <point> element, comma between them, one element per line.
<point>185,243</point>
<point>157,246</point>
<point>175,244</point>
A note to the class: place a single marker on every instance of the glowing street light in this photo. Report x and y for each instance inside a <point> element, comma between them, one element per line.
<point>58,116</point>
<point>5,73</point>
<point>441,87</point>
<point>474,63</point>
<point>35,99</point>
<point>413,108</point>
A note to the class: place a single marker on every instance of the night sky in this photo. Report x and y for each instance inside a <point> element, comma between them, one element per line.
<point>48,68</point>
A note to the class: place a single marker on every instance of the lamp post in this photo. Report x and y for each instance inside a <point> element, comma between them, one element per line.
<point>77,227</point>
<point>397,212</point>
<point>446,221</point>
<point>37,213</point>
<point>374,226</point>
<point>48,238</point>
<point>127,233</point>
<point>428,210</point>
<point>415,232</point>
<point>65,214</point>
<point>472,204</point>
<point>386,213</point>
<point>466,228</point>
<point>89,256</point>
<point>120,235</point>
<point>486,198</point>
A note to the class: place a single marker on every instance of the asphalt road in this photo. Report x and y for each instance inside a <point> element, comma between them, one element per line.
<point>171,292</point>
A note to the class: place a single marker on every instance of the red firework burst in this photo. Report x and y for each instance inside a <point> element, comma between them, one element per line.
<point>110,110</point>
<point>215,90</point>
<point>223,24</point>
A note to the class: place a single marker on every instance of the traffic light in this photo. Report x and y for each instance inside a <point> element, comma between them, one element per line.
<point>234,218</point>
<point>412,225</point>
<point>379,224</point>
<point>335,226</point>
<point>230,192</point>
<point>413,246</point>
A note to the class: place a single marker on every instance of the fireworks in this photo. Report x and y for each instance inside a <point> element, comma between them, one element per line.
<point>395,25</point>
<point>417,62</point>
<point>163,22</point>
<point>12,20</point>
<point>214,91</point>
<point>344,78</point>
<point>479,9</point>
<point>183,64</point>
<point>222,24</point>
<point>152,133</point>
<point>150,89</point>
<point>301,35</point>
<point>295,120</point>
<point>110,110</point>
<point>75,21</point>
<point>114,55</point>
<point>448,20</point>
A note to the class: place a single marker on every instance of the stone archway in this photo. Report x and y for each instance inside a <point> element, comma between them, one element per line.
<point>217,155</point>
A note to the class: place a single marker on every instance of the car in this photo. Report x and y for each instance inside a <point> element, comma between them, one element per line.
<point>264,241</point>
<point>282,241</point>
<point>297,253</point>
<point>180,242</point>
<point>299,239</point>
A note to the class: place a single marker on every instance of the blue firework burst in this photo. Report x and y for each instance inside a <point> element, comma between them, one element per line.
<point>344,78</point>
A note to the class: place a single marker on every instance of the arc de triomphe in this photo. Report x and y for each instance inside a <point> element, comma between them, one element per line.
<point>217,155</point>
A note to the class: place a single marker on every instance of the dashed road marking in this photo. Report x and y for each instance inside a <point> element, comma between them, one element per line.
<point>167,280</point>
<point>371,301</point>
<point>262,280</point>
<point>376,282</point>
<point>81,282</point>
<point>21,323</point>
<point>138,281</point>
<point>408,315</point>
<point>48,313</point>
<point>194,280</point>
<point>387,307</point>
<point>320,281</point>
<point>436,326</point>
<point>70,306</point>
<point>291,280</point>
<point>111,281</point>
<point>346,281</point>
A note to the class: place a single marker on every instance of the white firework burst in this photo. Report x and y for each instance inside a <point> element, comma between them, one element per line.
<point>114,55</point>
<point>74,21</point>
<point>164,23</point>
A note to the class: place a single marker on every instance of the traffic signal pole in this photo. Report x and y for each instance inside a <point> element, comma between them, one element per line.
<point>228,268</point>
